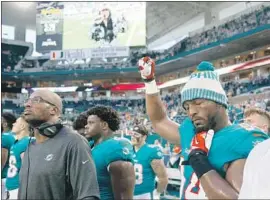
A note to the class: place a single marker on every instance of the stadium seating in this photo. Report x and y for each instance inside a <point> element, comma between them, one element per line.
<point>132,110</point>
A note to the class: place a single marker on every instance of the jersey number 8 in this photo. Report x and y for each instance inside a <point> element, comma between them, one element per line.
<point>12,170</point>
<point>138,173</point>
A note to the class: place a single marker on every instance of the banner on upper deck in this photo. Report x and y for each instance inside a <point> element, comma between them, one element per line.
<point>108,52</point>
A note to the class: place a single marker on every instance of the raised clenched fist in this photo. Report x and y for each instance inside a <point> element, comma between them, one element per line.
<point>147,68</point>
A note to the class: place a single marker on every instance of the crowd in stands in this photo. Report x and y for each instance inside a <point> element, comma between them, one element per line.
<point>133,111</point>
<point>236,87</point>
<point>11,55</point>
<point>242,24</point>
<point>236,26</point>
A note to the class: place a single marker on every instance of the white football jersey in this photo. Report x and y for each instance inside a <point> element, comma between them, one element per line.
<point>256,176</point>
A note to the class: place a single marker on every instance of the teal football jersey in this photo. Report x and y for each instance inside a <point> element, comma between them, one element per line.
<point>91,143</point>
<point>111,150</point>
<point>230,143</point>
<point>145,176</point>
<point>8,140</point>
<point>15,162</point>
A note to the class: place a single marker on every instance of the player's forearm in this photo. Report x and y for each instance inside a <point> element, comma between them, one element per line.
<point>3,162</point>
<point>215,187</point>
<point>162,184</point>
<point>154,105</point>
<point>124,188</point>
<point>122,179</point>
<point>161,124</point>
<point>155,108</point>
<point>4,156</point>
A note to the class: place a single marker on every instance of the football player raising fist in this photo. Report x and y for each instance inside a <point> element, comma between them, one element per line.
<point>147,69</point>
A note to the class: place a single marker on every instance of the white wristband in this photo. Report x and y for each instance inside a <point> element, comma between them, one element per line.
<point>151,87</point>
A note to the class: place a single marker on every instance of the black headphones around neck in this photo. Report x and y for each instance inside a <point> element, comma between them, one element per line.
<point>49,130</point>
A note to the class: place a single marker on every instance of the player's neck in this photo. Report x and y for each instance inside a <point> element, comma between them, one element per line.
<point>222,124</point>
<point>22,135</point>
<point>5,130</point>
<point>39,138</point>
<point>137,147</point>
<point>103,138</point>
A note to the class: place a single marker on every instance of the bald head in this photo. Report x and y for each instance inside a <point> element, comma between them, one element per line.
<point>42,106</point>
<point>50,97</point>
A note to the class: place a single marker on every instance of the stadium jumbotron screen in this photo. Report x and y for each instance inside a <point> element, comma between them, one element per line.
<point>91,25</point>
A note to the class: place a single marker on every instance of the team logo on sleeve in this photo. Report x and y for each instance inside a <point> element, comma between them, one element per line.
<point>125,151</point>
<point>247,126</point>
<point>159,154</point>
<point>256,142</point>
<point>256,130</point>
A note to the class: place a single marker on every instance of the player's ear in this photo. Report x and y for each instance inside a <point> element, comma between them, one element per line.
<point>53,110</point>
<point>22,125</point>
<point>265,128</point>
<point>5,124</point>
<point>104,125</point>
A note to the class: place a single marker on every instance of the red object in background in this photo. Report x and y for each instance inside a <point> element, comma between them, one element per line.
<point>128,86</point>
<point>250,64</point>
<point>177,149</point>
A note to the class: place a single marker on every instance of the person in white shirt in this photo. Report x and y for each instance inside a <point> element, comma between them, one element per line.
<point>256,172</point>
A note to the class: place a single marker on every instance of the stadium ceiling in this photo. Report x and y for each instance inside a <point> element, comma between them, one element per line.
<point>161,17</point>
<point>19,14</point>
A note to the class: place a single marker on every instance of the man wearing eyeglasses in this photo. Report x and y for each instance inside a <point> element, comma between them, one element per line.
<point>58,164</point>
<point>148,165</point>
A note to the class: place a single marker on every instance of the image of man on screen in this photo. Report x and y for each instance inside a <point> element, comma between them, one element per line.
<point>103,26</point>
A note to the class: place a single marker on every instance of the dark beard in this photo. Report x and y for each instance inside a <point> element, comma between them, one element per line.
<point>35,122</point>
<point>211,125</point>
<point>202,129</point>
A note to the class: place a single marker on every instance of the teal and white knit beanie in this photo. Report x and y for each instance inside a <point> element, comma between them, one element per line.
<point>204,84</point>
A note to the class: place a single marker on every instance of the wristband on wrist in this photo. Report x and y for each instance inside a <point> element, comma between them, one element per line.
<point>151,87</point>
<point>199,162</point>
